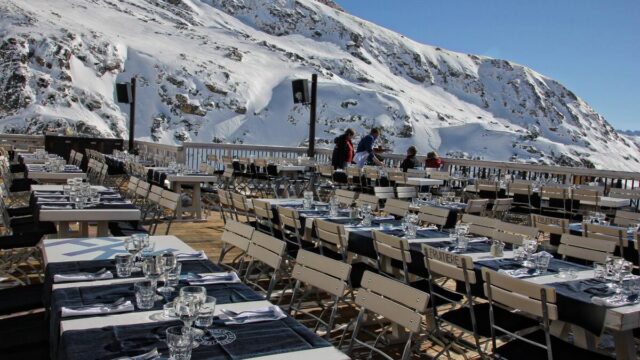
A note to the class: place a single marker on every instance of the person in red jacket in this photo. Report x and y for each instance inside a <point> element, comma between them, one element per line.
<point>433,161</point>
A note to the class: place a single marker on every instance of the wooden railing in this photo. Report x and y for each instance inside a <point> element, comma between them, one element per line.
<point>194,153</point>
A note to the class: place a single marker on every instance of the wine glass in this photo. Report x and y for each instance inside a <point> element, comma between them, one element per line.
<point>133,246</point>
<point>530,247</point>
<point>187,309</point>
<point>168,263</point>
<point>153,269</point>
<point>199,295</point>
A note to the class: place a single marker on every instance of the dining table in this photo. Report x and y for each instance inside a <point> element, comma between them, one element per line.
<point>51,204</point>
<point>192,180</point>
<point>128,331</point>
<point>45,174</point>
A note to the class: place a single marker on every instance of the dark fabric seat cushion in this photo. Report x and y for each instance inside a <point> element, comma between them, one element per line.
<point>21,298</point>
<point>126,228</point>
<point>20,240</point>
<point>521,350</point>
<point>40,227</point>
<point>20,211</point>
<point>20,185</point>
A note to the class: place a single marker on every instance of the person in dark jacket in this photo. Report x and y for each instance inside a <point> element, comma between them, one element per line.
<point>365,153</point>
<point>410,161</point>
<point>433,160</point>
<point>343,151</point>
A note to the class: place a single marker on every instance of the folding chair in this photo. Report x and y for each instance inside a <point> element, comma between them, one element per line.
<point>555,227</point>
<point>430,215</point>
<point>346,198</point>
<point>584,248</point>
<point>406,192</point>
<point>368,199</point>
<point>236,235</point>
<point>397,303</point>
<point>266,254</point>
<point>396,207</point>
<point>264,217</point>
<point>626,218</point>
<point>615,234</point>
<point>477,207</point>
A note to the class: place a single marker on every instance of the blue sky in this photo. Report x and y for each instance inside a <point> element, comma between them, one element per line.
<point>590,46</point>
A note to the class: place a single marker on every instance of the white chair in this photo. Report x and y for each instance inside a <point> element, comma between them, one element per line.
<point>236,236</point>
<point>584,248</point>
<point>266,254</point>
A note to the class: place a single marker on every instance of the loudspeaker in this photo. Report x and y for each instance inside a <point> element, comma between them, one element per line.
<point>300,91</point>
<point>123,93</point>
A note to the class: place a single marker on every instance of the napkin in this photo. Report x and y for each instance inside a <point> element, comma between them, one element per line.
<point>269,313</point>
<point>611,301</point>
<point>225,278</point>
<point>56,207</point>
<point>81,276</point>
<point>127,306</point>
<point>379,218</point>
<point>200,255</point>
<point>519,273</point>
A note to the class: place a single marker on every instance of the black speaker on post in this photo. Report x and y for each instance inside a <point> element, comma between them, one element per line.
<point>123,93</point>
<point>300,89</point>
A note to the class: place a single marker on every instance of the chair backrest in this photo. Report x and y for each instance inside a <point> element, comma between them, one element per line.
<point>267,249</point>
<point>631,194</point>
<point>345,197</point>
<point>501,205</point>
<point>398,177</point>
<point>353,171</point>
<point>590,195</point>
<point>393,300</point>
<point>609,233</point>
<point>487,185</point>
<point>480,225</point>
<point>237,234</point>
<point>170,200</point>
<point>384,192</point>
<point>444,263</point>
<point>416,173</point>
<point>527,231</point>
<point>331,234</point>
<point>554,192</point>
<point>396,207</point>
<point>368,199</point>
<point>262,209</point>
<point>626,218</point>
<point>142,189</point>
<point>325,170</point>
<point>239,201</point>
<point>433,215</point>
<point>514,293</point>
<point>391,247</point>
<point>288,218</point>
<point>585,248</point>
<point>155,194</point>
<point>477,206</point>
<point>321,272</point>
<point>132,185</point>
<point>519,188</point>
<point>225,198</point>
<point>599,189</point>
<point>439,175</point>
<point>372,173</point>
<point>406,192</point>
<point>550,225</point>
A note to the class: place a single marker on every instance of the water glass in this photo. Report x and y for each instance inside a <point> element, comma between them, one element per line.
<point>307,199</point>
<point>145,294</point>
<point>205,314</point>
<point>173,276</point>
<point>66,189</point>
<point>198,293</point>
<point>462,243</point>
<point>542,262</point>
<point>123,265</point>
<point>179,342</point>
<point>168,310</point>
<point>599,271</point>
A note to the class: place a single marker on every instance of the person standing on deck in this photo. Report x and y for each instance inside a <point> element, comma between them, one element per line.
<point>364,152</point>
<point>343,151</point>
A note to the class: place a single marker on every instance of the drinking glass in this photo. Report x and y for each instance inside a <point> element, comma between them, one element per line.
<point>153,269</point>
<point>199,295</point>
<point>187,309</point>
<point>173,277</point>
<point>462,243</point>
<point>542,262</point>
<point>66,189</point>
<point>145,294</point>
<point>133,246</point>
<point>147,244</point>
<point>123,265</point>
<point>530,247</point>
<point>205,315</point>
<point>307,199</point>
<point>168,262</point>
<point>599,271</point>
<point>180,343</point>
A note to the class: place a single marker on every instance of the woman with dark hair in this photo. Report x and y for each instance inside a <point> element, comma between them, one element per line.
<point>433,160</point>
<point>410,161</point>
<point>343,152</point>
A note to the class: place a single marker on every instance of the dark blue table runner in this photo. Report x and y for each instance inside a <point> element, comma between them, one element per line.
<point>221,342</point>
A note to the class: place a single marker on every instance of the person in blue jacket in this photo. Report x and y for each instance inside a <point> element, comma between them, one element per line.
<point>364,152</point>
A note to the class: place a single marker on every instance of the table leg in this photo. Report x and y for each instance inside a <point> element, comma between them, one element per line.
<point>102,229</point>
<point>178,190</point>
<point>84,228</point>
<point>63,230</point>
<point>625,345</point>
<point>197,203</point>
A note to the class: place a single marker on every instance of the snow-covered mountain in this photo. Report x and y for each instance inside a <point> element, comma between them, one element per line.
<point>221,71</point>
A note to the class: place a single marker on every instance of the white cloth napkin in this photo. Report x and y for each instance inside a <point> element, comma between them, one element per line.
<point>269,313</point>
<point>58,278</point>
<point>127,306</point>
<point>226,278</point>
<point>517,273</point>
<point>611,302</point>
<point>389,217</point>
<point>53,207</point>
<point>200,255</point>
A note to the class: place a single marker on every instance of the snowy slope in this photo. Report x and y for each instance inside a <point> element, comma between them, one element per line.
<point>221,71</point>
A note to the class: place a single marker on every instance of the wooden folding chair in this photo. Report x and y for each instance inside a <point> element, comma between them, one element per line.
<point>398,303</point>
<point>430,215</point>
<point>626,218</point>
<point>615,234</point>
<point>368,199</point>
<point>477,207</point>
<point>266,254</point>
<point>406,192</point>
<point>236,235</point>
<point>396,207</point>
<point>345,197</point>
<point>584,248</point>
<point>552,226</point>
<point>264,217</point>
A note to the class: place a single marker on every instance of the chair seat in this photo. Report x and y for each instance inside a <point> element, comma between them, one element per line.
<point>21,298</point>
<point>510,321</point>
<point>20,185</point>
<point>208,190</point>
<point>41,227</point>
<point>18,241</point>
<point>521,350</point>
<point>20,211</point>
